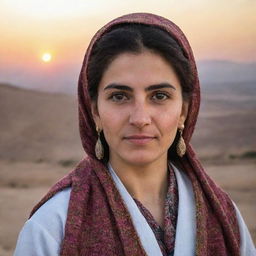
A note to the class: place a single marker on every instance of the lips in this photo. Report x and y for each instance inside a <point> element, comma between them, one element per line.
<point>139,139</point>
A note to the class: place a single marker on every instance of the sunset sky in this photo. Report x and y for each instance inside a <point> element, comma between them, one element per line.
<point>216,29</point>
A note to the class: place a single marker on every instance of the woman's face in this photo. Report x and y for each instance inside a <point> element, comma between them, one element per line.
<point>139,108</point>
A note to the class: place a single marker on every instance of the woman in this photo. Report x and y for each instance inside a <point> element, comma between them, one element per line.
<point>141,189</point>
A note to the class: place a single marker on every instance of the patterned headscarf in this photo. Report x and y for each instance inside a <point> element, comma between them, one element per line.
<point>98,221</point>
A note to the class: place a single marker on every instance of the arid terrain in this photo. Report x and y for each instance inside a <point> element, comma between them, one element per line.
<point>40,143</point>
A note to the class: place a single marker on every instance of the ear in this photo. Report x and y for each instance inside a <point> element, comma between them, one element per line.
<point>184,113</point>
<point>95,114</point>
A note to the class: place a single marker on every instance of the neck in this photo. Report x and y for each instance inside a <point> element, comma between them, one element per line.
<point>147,183</point>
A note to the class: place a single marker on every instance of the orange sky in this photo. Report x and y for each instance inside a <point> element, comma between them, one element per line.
<point>217,29</point>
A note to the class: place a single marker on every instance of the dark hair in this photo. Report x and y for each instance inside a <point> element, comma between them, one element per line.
<point>135,38</point>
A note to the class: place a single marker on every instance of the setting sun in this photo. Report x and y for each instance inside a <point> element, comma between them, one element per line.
<point>46,57</point>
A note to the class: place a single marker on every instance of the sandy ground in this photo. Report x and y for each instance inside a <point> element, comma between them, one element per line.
<point>22,184</point>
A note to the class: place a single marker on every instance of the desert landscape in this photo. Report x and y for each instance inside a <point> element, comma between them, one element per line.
<point>40,143</point>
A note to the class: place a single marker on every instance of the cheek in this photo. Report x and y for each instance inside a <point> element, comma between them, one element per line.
<point>170,120</point>
<point>111,122</point>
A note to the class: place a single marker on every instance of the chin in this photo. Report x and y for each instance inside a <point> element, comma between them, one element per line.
<point>141,159</point>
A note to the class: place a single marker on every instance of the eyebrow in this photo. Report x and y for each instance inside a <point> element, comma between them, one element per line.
<point>149,88</point>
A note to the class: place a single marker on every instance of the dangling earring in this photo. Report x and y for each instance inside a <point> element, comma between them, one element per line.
<point>181,146</point>
<point>99,150</point>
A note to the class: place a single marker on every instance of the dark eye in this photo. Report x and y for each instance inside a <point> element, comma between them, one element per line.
<point>118,97</point>
<point>160,96</point>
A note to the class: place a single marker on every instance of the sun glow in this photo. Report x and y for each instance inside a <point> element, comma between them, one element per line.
<point>46,57</point>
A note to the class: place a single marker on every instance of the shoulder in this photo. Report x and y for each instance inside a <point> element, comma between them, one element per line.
<point>43,233</point>
<point>247,246</point>
<point>53,213</point>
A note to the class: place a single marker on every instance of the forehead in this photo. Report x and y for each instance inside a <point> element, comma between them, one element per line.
<point>139,69</point>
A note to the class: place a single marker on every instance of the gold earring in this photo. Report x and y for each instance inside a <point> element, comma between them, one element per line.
<point>99,150</point>
<point>181,146</point>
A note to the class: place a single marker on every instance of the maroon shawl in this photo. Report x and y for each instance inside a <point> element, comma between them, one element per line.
<point>98,222</point>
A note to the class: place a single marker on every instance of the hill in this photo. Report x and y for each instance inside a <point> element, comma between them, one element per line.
<point>226,124</point>
<point>37,126</point>
<point>63,79</point>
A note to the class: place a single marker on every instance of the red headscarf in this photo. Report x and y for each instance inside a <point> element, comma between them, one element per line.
<point>98,221</point>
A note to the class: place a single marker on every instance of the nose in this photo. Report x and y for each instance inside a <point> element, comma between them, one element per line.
<point>140,116</point>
